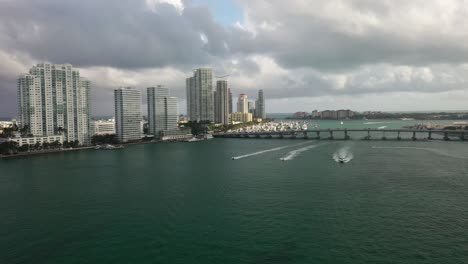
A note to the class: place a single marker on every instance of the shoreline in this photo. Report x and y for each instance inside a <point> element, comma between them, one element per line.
<point>34,153</point>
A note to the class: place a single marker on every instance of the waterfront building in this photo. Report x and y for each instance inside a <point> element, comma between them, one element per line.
<point>315,114</point>
<point>163,110</point>
<point>222,103</point>
<point>181,134</point>
<point>332,114</point>
<point>230,100</point>
<point>242,104</point>
<point>183,119</point>
<point>215,105</point>
<point>260,105</point>
<point>329,114</point>
<point>34,140</point>
<point>199,90</point>
<point>127,114</point>
<point>241,117</point>
<point>104,127</point>
<point>53,99</point>
<point>300,115</point>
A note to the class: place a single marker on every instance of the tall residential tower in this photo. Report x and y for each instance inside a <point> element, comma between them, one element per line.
<point>222,103</point>
<point>199,90</point>
<point>127,114</point>
<point>53,99</point>
<point>242,104</point>
<point>260,105</point>
<point>163,110</point>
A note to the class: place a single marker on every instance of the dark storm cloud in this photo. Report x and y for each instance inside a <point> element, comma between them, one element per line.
<point>117,33</point>
<point>290,48</point>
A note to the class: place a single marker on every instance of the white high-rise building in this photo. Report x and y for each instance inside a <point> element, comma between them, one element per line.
<point>222,103</point>
<point>243,104</point>
<point>53,99</point>
<point>199,90</point>
<point>163,110</point>
<point>260,105</point>
<point>127,114</point>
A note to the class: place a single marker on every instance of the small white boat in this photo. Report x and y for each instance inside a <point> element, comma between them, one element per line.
<point>194,139</point>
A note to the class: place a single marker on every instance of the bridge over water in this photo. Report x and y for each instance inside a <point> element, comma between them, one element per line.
<point>345,134</point>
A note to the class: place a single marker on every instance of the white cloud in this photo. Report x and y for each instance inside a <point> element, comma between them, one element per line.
<point>153,4</point>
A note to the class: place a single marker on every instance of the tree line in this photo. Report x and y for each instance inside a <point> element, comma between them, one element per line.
<point>11,147</point>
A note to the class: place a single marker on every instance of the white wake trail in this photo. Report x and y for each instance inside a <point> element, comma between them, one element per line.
<point>268,150</point>
<point>343,155</point>
<point>293,154</point>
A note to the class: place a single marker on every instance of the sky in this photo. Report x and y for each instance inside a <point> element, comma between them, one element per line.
<point>389,55</point>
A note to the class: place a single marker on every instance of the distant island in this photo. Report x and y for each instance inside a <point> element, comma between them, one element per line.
<point>352,115</point>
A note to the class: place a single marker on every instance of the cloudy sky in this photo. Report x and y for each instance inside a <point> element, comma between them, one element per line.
<point>393,55</point>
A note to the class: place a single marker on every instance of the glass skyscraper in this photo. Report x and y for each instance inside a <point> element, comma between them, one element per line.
<point>199,90</point>
<point>127,114</point>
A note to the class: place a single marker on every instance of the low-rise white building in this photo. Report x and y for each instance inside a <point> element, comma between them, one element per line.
<point>103,127</point>
<point>241,117</point>
<point>33,140</point>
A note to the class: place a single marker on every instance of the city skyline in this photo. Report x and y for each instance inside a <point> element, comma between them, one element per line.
<point>364,62</point>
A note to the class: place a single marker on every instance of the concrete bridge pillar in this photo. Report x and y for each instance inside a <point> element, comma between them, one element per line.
<point>318,134</point>
<point>399,137</point>
<point>383,136</point>
<point>305,134</point>
<point>281,136</point>
<point>331,134</point>
<point>430,135</point>
<point>346,136</point>
<point>414,136</point>
<point>462,137</point>
<point>446,137</point>
<point>368,135</point>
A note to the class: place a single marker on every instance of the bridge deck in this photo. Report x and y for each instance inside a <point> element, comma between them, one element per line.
<point>446,134</point>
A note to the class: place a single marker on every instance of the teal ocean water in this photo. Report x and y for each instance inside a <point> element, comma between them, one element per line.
<point>281,201</point>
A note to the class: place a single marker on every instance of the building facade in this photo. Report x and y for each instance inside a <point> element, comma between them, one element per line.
<point>163,110</point>
<point>230,100</point>
<point>241,117</point>
<point>34,140</point>
<point>199,90</point>
<point>104,127</point>
<point>127,114</point>
<point>252,107</point>
<point>260,105</point>
<point>53,99</point>
<point>243,104</point>
<point>222,102</point>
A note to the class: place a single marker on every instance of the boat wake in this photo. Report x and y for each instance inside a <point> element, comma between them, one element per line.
<point>433,150</point>
<point>267,150</point>
<point>293,154</point>
<point>343,155</point>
